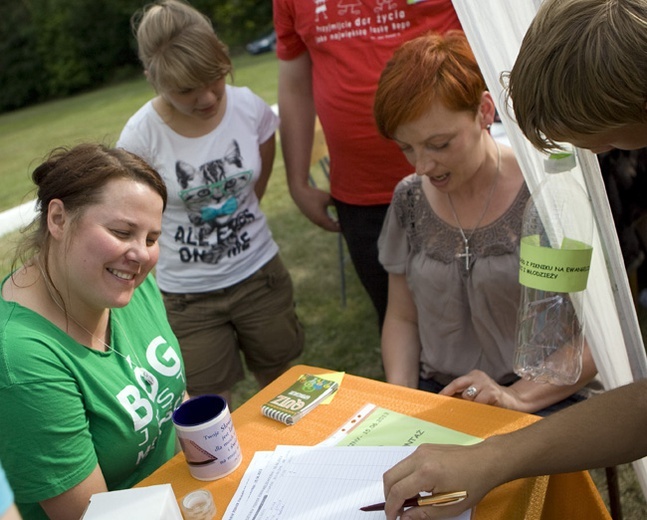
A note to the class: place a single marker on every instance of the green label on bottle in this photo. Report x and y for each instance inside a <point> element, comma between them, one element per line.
<point>559,270</point>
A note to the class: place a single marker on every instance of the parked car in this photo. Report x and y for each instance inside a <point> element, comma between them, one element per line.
<point>265,44</point>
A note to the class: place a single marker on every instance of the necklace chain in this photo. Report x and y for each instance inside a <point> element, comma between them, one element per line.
<point>145,373</point>
<point>466,239</point>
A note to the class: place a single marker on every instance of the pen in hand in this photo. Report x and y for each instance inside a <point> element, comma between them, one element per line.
<point>437,499</point>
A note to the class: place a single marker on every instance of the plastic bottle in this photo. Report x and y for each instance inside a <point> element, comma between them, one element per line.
<point>555,258</point>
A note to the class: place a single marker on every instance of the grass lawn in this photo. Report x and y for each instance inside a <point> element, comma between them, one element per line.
<point>339,338</point>
<point>27,135</point>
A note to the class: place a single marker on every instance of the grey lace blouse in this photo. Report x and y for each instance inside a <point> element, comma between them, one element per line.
<point>466,319</point>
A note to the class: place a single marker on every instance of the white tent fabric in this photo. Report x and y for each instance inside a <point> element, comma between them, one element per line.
<point>495,29</point>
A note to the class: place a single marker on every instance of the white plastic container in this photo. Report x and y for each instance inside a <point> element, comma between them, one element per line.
<point>198,505</point>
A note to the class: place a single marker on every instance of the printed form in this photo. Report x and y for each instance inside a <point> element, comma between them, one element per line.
<point>315,482</point>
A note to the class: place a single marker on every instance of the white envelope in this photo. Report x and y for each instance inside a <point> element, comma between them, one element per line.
<point>146,503</point>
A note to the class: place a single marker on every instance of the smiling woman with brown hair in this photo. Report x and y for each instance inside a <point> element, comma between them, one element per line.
<point>90,370</point>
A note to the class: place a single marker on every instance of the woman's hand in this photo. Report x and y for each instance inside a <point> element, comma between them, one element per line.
<point>438,468</point>
<point>477,386</point>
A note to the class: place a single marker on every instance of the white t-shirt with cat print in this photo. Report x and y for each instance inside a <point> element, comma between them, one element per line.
<point>214,233</point>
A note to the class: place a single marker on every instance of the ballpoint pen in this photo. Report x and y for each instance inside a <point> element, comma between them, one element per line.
<point>437,499</point>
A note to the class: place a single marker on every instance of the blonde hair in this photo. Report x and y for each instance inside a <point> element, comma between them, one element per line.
<point>178,46</point>
<point>581,70</point>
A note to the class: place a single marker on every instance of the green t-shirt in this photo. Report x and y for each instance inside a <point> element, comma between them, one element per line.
<point>65,407</point>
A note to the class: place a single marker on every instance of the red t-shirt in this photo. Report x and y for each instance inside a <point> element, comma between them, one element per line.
<point>349,42</point>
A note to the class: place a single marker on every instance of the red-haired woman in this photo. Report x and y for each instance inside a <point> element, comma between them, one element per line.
<point>450,241</point>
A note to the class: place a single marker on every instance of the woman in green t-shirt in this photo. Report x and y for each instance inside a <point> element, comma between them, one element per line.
<point>90,371</point>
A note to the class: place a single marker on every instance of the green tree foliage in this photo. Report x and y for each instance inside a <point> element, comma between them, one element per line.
<point>239,21</point>
<point>54,48</point>
<point>21,71</point>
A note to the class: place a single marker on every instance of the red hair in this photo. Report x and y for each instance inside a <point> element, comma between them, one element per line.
<point>429,68</point>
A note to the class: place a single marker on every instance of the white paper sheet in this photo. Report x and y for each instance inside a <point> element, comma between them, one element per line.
<point>318,483</point>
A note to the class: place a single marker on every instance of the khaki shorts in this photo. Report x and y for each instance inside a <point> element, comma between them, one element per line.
<point>255,318</point>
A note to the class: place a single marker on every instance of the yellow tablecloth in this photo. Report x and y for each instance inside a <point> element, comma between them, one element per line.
<point>571,496</point>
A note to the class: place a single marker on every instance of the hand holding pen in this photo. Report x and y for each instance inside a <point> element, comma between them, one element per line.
<point>436,468</point>
<point>437,499</point>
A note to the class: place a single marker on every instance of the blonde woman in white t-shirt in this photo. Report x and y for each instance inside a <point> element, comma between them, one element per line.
<point>225,287</point>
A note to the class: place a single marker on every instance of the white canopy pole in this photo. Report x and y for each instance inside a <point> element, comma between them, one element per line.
<point>495,29</point>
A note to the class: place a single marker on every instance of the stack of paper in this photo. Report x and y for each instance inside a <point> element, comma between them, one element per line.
<point>296,482</point>
<point>333,481</point>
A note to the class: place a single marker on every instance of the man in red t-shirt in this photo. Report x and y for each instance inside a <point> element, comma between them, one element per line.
<point>331,56</point>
